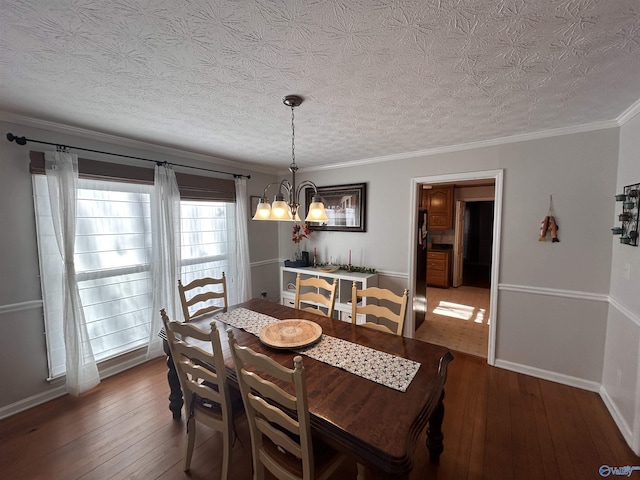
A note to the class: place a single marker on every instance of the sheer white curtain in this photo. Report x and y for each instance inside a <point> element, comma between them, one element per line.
<point>62,178</point>
<point>243,265</point>
<point>165,227</point>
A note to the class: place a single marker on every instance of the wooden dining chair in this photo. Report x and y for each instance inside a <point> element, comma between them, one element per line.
<point>317,293</point>
<point>279,422</point>
<point>386,319</point>
<point>205,295</point>
<point>206,391</point>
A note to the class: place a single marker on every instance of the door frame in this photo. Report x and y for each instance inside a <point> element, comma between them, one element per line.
<point>458,242</point>
<point>497,176</point>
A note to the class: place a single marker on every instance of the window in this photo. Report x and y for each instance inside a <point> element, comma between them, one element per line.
<point>112,259</point>
<point>208,244</point>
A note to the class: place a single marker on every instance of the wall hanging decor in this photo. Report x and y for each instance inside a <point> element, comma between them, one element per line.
<point>549,225</point>
<point>345,207</point>
<point>628,229</point>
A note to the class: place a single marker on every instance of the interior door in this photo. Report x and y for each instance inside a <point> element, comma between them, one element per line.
<point>458,243</point>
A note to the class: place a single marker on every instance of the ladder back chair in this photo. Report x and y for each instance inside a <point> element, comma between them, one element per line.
<point>279,422</point>
<point>206,391</point>
<point>388,320</point>
<point>323,294</point>
<point>205,295</point>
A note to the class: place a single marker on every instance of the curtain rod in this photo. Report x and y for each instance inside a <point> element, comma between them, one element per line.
<point>23,141</point>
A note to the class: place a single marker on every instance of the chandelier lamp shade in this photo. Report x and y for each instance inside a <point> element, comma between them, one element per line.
<point>287,201</point>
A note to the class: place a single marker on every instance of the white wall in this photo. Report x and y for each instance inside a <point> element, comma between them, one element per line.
<point>621,374</point>
<point>553,293</point>
<point>21,316</point>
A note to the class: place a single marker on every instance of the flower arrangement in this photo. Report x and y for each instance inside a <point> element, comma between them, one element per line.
<point>300,232</point>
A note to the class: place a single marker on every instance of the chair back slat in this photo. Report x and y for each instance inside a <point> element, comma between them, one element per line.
<point>316,291</point>
<point>388,319</point>
<point>192,294</point>
<point>278,437</point>
<point>269,390</point>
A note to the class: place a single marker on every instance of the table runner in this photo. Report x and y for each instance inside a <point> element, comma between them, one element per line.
<point>380,367</point>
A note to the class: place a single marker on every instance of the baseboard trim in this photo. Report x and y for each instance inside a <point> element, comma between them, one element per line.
<point>623,426</point>
<point>548,375</point>
<point>61,390</point>
<point>33,401</point>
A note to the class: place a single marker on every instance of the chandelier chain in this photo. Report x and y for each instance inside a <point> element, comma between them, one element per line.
<point>293,138</point>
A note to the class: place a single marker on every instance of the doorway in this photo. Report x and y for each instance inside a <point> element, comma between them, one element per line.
<point>478,242</point>
<point>472,303</point>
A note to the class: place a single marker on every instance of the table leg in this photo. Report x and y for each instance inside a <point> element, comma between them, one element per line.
<point>434,432</point>
<point>175,392</point>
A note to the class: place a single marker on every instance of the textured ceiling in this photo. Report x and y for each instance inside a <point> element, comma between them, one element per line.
<point>378,77</point>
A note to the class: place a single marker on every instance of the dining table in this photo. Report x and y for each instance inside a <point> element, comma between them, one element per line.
<point>376,425</point>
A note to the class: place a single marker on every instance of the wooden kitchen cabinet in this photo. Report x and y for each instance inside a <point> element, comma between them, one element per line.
<point>438,269</point>
<point>439,203</point>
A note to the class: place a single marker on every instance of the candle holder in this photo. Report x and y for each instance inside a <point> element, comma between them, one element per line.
<point>628,230</point>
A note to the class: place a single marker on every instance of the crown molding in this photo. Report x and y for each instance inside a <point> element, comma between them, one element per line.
<point>629,113</point>
<point>588,127</point>
<point>123,141</point>
<point>128,142</point>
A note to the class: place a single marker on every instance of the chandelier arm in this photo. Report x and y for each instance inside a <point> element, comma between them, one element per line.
<point>264,193</point>
<point>305,183</point>
<point>284,183</point>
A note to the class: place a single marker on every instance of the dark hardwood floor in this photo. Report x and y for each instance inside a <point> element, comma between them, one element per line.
<point>498,425</point>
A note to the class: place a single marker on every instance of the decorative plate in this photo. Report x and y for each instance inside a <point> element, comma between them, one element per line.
<point>329,269</point>
<point>293,333</point>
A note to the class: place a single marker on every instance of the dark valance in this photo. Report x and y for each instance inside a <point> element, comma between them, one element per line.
<point>192,187</point>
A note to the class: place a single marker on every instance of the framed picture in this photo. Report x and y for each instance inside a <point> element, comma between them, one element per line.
<point>253,205</point>
<point>346,207</point>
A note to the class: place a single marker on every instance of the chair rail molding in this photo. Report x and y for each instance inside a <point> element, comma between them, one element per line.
<point>21,306</point>
<point>554,292</point>
<point>269,261</point>
<point>618,305</point>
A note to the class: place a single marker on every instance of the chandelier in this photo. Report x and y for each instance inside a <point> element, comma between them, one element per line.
<point>288,210</point>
